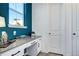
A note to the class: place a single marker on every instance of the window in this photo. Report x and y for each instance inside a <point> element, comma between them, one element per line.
<point>2,21</point>
<point>16,15</point>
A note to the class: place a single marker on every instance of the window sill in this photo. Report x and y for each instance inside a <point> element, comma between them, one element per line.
<point>17,26</point>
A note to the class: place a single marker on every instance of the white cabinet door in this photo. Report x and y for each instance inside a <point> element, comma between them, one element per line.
<point>39,45</point>
<point>18,51</point>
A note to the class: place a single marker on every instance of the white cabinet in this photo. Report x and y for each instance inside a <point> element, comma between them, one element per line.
<point>18,51</point>
<point>39,45</point>
<point>31,48</point>
<point>34,49</point>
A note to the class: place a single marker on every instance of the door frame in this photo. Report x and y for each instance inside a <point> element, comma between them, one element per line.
<point>67,13</point>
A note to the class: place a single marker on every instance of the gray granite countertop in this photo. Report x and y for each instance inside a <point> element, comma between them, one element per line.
<point>19,41</point>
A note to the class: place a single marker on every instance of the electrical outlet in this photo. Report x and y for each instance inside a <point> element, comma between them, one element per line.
<point>14,32</point>
<point>3,32</point>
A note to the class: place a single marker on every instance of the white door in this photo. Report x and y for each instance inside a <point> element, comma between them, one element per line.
<point>55,27</point>
<point>46,18</point>
<point>40,23</point>
<point>75,30</point>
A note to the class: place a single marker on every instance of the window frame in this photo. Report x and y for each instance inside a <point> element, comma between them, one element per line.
<point>18,13</point>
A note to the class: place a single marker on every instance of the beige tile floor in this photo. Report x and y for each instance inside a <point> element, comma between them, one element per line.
<point>49,54</point>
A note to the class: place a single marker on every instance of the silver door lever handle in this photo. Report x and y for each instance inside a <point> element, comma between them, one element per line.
<point>74,33</point>
<point>49,33</point>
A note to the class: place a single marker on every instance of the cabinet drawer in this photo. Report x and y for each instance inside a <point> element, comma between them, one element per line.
<point>16,51</point>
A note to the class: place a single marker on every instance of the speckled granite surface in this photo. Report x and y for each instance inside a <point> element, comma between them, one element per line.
<point>19,41</point>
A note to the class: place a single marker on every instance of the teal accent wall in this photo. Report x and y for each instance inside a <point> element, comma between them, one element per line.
<point>4,11</point>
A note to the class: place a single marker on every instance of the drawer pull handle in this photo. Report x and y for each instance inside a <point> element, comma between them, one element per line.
<point>38,44</point>
<point>15,53</point>
<point>33,42</point>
